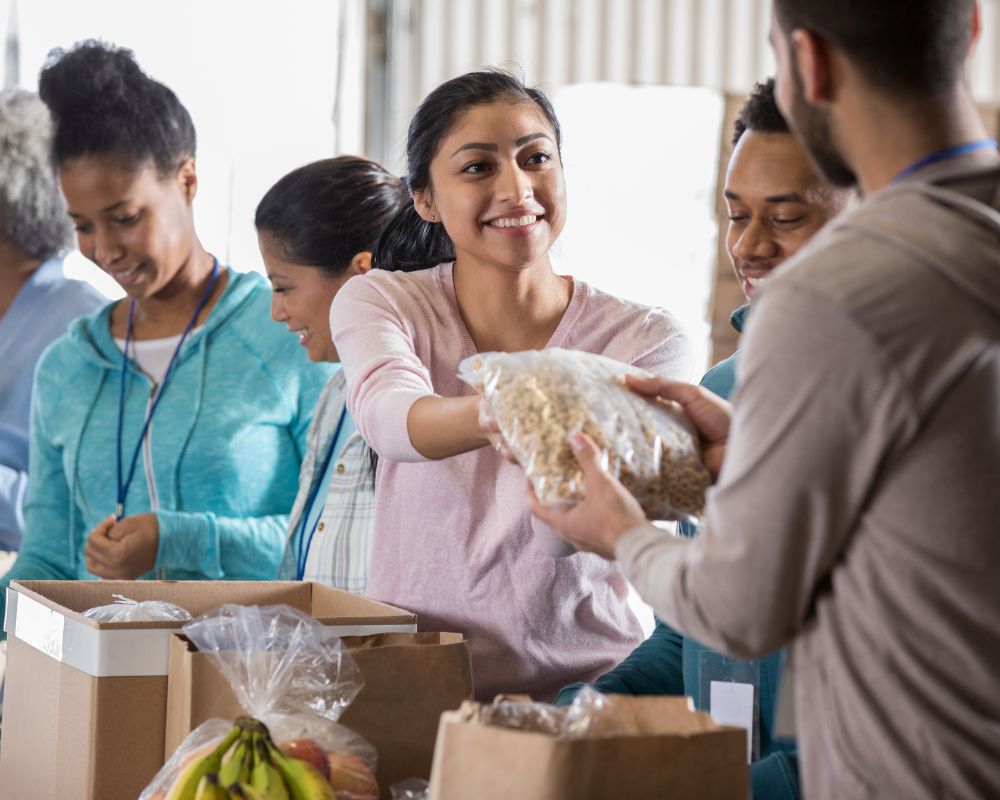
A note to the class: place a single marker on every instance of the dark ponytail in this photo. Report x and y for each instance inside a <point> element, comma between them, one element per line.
<point>409,242</point>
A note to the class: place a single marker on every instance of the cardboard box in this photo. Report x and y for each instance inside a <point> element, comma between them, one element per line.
<point>410,679</point>
<point>86,703</point>
<point>673,752</point>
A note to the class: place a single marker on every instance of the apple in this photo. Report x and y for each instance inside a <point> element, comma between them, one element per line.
<point>307,750</point>
<point>350,777</point>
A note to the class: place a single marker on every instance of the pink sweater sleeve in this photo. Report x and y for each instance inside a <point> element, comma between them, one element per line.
<point>384,375</point>
<point>667,351</point>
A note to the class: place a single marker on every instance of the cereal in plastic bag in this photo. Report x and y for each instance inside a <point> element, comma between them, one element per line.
<point>540,398</point>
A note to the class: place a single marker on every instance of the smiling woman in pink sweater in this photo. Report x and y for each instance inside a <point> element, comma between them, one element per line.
<point>465,269</point>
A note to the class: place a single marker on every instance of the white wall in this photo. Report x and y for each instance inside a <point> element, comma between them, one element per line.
<point>641,165</point>
<point>258,78</point>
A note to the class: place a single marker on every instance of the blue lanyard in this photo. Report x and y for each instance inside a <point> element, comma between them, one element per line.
<point>123,485</point>
<point>303,544</point>
<point>945,154</point>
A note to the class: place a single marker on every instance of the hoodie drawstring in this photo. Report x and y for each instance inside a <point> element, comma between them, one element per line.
<point>196,412</point>
<point>75,472</point>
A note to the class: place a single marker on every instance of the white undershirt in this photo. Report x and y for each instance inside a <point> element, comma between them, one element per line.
<point>153,355</point>
<point>153,358</point>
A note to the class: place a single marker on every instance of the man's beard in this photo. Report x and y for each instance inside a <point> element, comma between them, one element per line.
<point>812,128</point>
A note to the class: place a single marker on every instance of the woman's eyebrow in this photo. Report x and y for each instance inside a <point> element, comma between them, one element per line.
<point>530,138</point>
<point>476,146</point>
<point>492,148</point>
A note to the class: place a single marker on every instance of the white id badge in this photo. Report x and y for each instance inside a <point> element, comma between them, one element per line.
<point>729,689</point>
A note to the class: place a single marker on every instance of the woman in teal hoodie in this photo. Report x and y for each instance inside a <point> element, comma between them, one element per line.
<point>167,429</point>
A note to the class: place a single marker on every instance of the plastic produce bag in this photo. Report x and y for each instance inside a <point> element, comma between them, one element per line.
<point>592,714</point>
<point>412,789</point>
<point>125,609</point>
<point>540,398</point>
<point>293,678</point>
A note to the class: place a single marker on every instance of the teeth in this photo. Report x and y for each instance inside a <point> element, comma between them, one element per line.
<point>302,334</point>
<point>126,272</point>
<point>515,222</point>
<point>754,281</point>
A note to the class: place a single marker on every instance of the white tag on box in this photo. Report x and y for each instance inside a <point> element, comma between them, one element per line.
<point>732,704</point>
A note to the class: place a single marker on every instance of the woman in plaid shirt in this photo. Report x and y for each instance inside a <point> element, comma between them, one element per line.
<point>316,228</point>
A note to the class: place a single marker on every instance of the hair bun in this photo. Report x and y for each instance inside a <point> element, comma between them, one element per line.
<point>91,77</point>
<point>102,103</point>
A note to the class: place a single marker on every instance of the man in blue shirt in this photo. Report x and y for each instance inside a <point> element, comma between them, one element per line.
<point>776,203</point>
<point>37,302</point>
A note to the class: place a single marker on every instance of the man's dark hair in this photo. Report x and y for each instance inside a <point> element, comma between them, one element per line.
<point>103,104</point>
<point>760,113</point>
<point>911,47</point>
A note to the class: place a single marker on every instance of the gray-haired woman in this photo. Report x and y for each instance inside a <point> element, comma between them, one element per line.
<point>37,302</point>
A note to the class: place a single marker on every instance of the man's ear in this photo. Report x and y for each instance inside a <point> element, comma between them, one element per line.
<point>977,27</point>
<point>813,60</point>
<point>361,263</point>
<point>187,179</point>
<point>423,202</point>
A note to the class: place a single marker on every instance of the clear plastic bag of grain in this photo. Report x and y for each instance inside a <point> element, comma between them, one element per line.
<point>540,398</point>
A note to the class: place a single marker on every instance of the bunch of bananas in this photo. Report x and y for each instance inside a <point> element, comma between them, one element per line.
<point>248,765</point>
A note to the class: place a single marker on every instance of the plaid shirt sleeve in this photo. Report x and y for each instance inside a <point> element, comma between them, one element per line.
<point>340,550</point>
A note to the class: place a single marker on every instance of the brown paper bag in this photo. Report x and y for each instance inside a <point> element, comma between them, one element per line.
<point>410,679</point>
<point>671,751</point>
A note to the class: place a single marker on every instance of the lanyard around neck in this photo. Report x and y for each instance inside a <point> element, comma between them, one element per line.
<point>304,543</point>
<point>124,484</point>
<point>946,154</point>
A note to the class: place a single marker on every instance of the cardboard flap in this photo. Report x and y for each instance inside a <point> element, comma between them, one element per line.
<point>72,598</point>
<point>48,616</point>
<point>327,603</point>
<point>513,698</point>
<point>630,716</point>
<point>421,639</point>
<point>660,715</point>
<point>467,712</point>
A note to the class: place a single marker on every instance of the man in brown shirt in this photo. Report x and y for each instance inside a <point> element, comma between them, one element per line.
<point>856,513</point>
